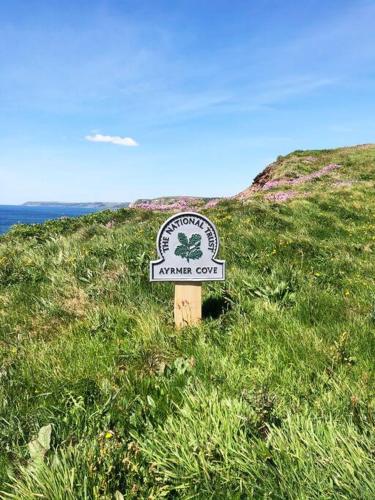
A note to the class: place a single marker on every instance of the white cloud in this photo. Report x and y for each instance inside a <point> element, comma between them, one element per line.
<point>113,139</point>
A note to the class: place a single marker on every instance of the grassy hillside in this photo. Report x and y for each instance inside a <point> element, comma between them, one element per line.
<point>272,396</point>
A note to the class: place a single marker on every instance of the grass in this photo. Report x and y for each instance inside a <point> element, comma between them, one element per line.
<point>272,396</point>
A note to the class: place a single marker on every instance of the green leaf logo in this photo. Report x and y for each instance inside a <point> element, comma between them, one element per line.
<point>189,249</point>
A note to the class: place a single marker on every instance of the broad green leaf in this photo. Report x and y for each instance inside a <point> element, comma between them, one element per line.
<point>181,251</point>
<point>195,254</point>
<point>182,238</point>
<point>36,450</point>
<point>39,447</point>
<point>44,436</point>
<point>195,238</point>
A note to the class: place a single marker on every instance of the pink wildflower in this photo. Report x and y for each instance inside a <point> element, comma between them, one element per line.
<point>212,203</point>
<point>281,196</point>
<point>300,180</point>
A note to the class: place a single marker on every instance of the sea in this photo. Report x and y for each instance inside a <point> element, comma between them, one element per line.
<point>16,214</point>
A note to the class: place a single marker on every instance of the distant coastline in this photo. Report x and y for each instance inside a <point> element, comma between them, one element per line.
<point>94,204</point>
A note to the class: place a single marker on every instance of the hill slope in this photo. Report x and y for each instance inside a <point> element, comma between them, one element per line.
<point>271,396</point>
<point>294,175</point>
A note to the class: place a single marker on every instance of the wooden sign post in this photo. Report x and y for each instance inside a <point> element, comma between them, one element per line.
<point>187,303</point>
<point>187,245</point>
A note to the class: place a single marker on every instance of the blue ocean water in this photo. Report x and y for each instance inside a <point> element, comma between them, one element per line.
<point>14,214</point>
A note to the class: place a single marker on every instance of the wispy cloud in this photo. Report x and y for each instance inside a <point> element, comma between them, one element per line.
<point>112,139</point>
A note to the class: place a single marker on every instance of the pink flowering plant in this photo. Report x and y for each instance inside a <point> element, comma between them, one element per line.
<point>302,179</point>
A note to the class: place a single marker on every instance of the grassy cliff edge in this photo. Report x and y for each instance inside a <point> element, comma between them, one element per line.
<point>272,396</point>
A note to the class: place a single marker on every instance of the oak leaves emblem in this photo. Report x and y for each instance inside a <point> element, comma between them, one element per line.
<point>189,248</point>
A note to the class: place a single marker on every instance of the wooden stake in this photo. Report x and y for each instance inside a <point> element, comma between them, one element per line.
<point>187,303</point>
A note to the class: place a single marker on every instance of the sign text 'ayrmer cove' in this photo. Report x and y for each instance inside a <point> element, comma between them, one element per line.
<point>187,245</point>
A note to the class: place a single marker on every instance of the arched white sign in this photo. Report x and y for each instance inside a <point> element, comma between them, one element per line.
<point>187,245</point>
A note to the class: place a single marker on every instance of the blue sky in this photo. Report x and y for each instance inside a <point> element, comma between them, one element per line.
<point>196,96</point>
